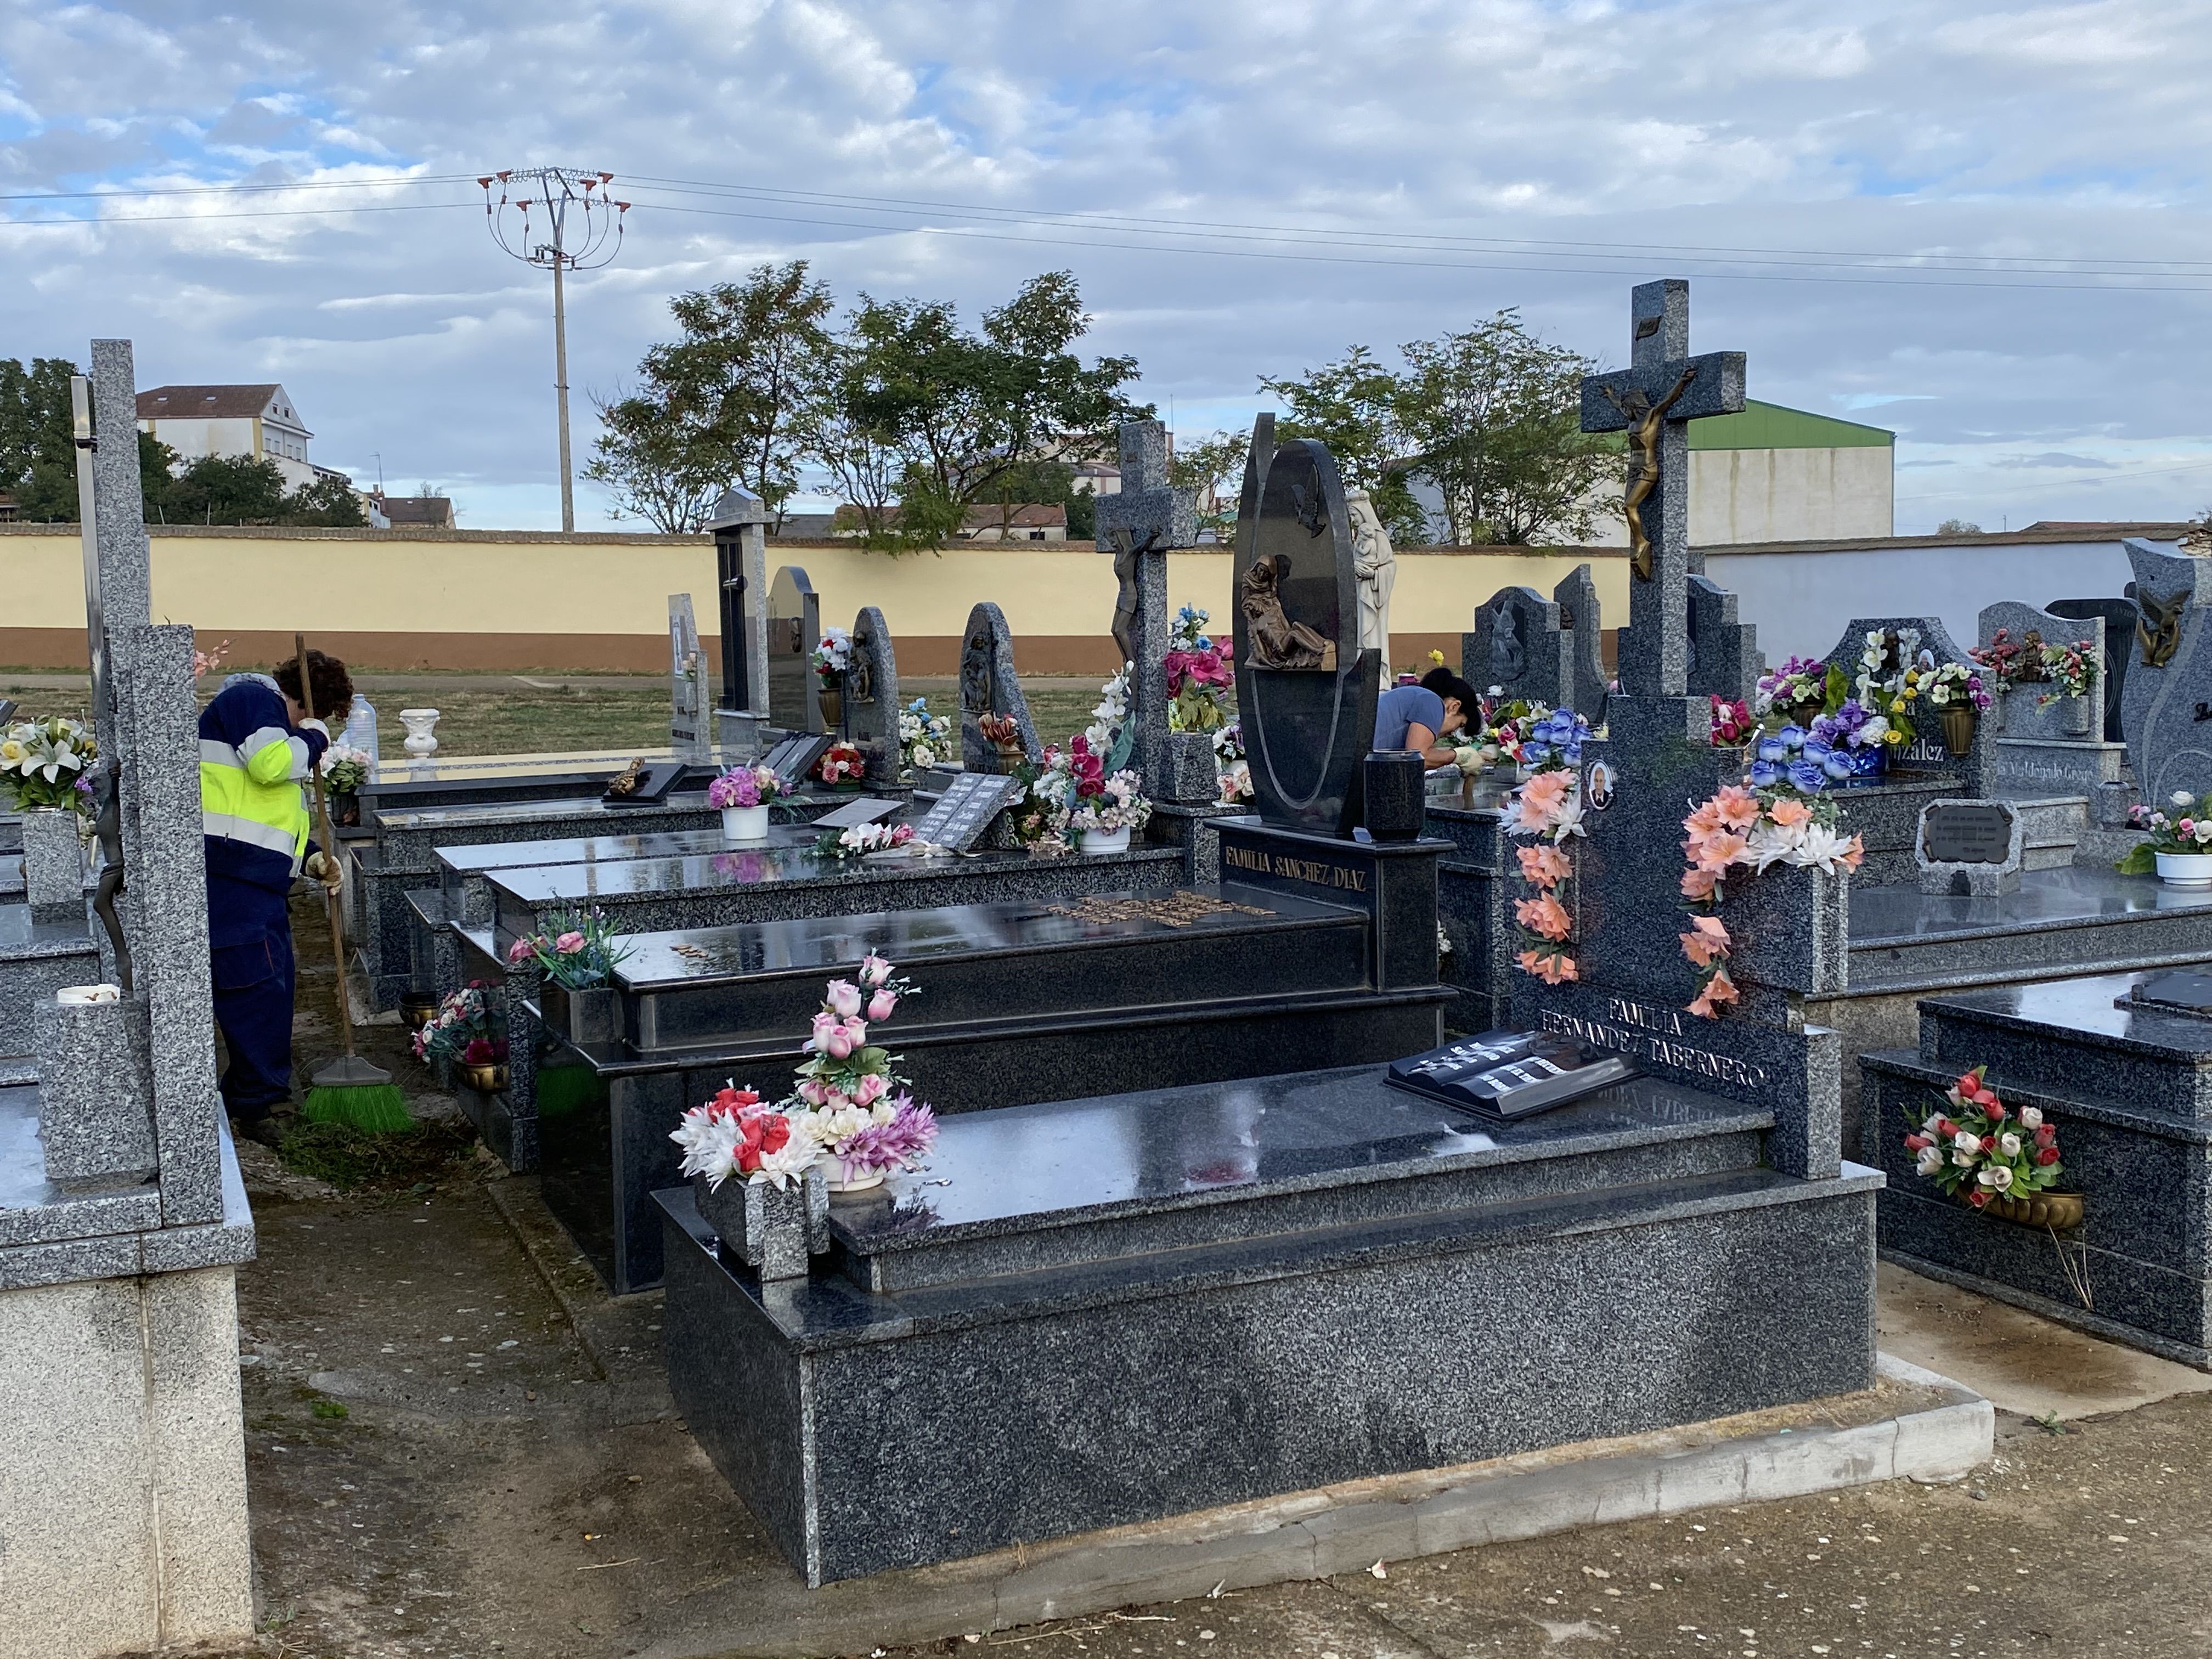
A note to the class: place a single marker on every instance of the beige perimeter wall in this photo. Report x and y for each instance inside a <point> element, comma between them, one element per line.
<point>493,600</point>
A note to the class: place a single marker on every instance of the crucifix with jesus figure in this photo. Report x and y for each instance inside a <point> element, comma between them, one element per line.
<point>1653,401</point>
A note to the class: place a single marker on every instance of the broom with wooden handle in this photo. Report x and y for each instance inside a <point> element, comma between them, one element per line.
<point>347,1089</point>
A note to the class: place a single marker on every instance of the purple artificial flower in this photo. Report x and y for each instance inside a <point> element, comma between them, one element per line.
<point>897,1145</point>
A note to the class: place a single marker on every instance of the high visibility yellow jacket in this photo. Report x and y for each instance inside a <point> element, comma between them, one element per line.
<point>253,762</point>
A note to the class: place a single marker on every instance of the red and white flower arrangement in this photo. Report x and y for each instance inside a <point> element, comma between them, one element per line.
<point>1732,723</point>
<point>1981,1152</point>
<point>840,763</point>
<point>1073,795</point>
<point>734,1135</point>
<point>1754,829</point>
<point>832,655</point>
<point>861,840</point>
<point>1546,808</point>
<point>462,1029</point>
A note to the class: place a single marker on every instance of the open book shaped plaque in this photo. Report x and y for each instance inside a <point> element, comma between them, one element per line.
<point>1511,1074</point>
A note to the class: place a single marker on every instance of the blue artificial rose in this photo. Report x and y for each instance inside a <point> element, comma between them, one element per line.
<point>1772,750</point>
<point>1807,776</point>
<point>1765,774</point>
<point>1838,765</point>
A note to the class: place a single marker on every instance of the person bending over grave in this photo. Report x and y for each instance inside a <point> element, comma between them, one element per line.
<point>1419,717</point>
<point>259,741</point>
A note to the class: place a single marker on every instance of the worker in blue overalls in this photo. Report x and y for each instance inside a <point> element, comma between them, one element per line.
<point>260,742</point>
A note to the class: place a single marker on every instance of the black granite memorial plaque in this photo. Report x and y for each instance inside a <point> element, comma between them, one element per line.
<point>794,627</point>
<point>2184,991</point>
<point>1511,1074</point>
<point>965,810</point>
<point>794,758</point>
<point>640,785</point>
<point>1956,834</point>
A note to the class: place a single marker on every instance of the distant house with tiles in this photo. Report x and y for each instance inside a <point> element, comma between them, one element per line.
<point>257,420</point>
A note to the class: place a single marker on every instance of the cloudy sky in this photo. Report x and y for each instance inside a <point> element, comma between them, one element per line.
<point>1982,226</point>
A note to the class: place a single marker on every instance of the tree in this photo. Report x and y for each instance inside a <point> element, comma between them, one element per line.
<point>1492,414</point>
<point>946,419</point>
<point>229,489</point>
<point>736,398</point>
<point>327,503</point>
<point>1958,527</point>
<point>38,444</point>
<point>1353,406</point>
<point>1214,467</point>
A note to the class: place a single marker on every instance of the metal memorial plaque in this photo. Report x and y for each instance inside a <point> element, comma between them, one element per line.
<point>1966,835</point>
<point>853,813</point>
<point>1511,1074</point>
<point>965,810</point>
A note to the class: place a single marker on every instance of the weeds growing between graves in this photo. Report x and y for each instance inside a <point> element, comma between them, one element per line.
<point>353,1162</point>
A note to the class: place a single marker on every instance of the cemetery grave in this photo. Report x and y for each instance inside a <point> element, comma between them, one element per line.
<point>1691,1232</point>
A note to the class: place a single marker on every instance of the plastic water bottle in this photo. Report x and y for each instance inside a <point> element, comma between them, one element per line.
<point>361,729</point>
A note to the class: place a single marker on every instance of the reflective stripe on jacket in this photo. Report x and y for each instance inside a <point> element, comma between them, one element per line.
<point>252,811</point>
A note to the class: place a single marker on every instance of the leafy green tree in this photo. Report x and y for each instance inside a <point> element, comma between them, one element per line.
<point>228,489</point>
<point>1353,406</point>
<point>38,448</point>
<point>1492,414</point>
<point>736,398</point>
<point>1214,467</point>
<point>946,419</point>
<point>329,503</point>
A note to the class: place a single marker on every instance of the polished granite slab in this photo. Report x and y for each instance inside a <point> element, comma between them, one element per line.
<point>505,814</point>
<point>465,870</point>
<point>1172,1304</point>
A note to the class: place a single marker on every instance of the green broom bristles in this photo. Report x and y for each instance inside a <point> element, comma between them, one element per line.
<point>375,1109</point>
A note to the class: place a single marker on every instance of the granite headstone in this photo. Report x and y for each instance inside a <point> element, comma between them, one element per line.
<point>2166,706</point>
<point>2119,617</point>
<point>989,686</point>
<point>872,704</point>
<point>794,624</point>
<point>690,710</point>
<point>739,523</point>
<point>1520,646</point>
<point>1305,691</point>
<point>1583,623</point>
<point>1724,659</point>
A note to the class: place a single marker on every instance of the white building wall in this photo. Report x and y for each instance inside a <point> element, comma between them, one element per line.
<point>1789,494</point>
<point>194,437</point>
<point>1801,598</point>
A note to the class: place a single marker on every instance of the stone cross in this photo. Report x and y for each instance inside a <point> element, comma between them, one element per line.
<point>738,524</point>
<point>1138,526</point>
<point>1653,401</point>
<point>688,715</point>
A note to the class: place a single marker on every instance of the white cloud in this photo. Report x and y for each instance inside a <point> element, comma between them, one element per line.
<point>2055,134</point>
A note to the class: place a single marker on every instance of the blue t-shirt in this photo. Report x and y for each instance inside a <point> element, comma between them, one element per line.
<point>1404,706</point>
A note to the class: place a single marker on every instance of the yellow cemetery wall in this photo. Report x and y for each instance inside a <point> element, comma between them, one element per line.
<point>517,600</point>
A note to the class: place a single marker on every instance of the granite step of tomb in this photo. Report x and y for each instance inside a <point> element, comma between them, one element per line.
<point>2144,1246</point>
<point>1309,1250</point>
<point>35,1211</point>
<point>37,958</point>
<point>2076,919</point>
<point>781,882</point>
<point>756,986</point>
<point>465,873</point>
<point>1060,1207</point>
<point>2069,1036</point>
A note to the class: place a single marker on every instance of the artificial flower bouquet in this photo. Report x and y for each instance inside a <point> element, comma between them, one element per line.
<point>1233,773</point>
<point>2065,670</point>
<point>1797,691</point>
<point>1554,741</point>
<point>925,740</point>
<point>1200,673</point>
<point>1981,1151</point>
<point>840,763</point>
<point>1071,794</point>
<point>344,769</point>
<point>1891,667</point>
<point>41,762</point>
<point>578,950</point>
<point>747,786</point>
<point>2183,826</point>
<point>1732,724</point>
<point>1779,816</point>
<point>462,1031</point>
<point>1548,807</point>
<point>861,840</point>
<point>2069,670</point>
<point>735,1136</point>
<point>856,1109</point>
<point>1956,684</point>
<point>832,655</point>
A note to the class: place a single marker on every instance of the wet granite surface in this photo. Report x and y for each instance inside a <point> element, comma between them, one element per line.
<point>1419,1335</point>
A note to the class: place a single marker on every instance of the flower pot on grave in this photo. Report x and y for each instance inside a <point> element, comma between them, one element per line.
<point>487,1079</point>
<point>831,701</point>
<point>1958,722</point>
<point>1104,841</point>
<point>776,1230</point>
<point>417,1009</point>
<point>2058,1211</point>
<point>1804,713</point>
<point>745,823</point>
<point>1010,756</point>
<point>588,1016</point>
<point>866,1181</point>
<point>345,810</point>
<point>2184,869</point>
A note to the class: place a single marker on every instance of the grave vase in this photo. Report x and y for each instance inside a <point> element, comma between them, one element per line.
<point>581,1016</point>
<point>831,699</point>
<point>1958,722</point>
<point>422,725</point>
<point>1868,763</point>
<point>2060,1212</point>
<point>2184,869</point>
<point>745,823</point>
<point>1104,841</point>
<point>774,1229</point>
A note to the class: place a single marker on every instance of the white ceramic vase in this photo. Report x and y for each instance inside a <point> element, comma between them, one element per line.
<point>745,823</point>
<point>1106,841</point>
<point>421,723</point>
<point>2184,869</point>
<point>865,1183</point>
